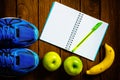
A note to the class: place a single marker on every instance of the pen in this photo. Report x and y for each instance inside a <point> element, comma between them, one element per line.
<point>92,30</point>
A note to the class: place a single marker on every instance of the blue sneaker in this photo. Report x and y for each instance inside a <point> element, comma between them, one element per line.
<point>16,32</point>
<point>16,62</point>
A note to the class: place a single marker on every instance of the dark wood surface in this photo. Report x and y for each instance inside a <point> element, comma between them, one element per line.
<point>36,12</point>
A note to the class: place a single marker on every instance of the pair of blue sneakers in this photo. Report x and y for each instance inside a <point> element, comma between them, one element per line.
<point>15,34</point>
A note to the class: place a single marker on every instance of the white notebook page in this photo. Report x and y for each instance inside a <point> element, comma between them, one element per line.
<point>66,27</point>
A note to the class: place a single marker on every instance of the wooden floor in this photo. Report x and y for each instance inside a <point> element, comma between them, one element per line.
<point>36,12</point>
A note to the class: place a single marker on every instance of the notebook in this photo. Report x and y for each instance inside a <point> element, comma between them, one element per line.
<point>74,31</point>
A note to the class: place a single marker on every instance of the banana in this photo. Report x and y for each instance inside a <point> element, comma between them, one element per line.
<point>105,64</point>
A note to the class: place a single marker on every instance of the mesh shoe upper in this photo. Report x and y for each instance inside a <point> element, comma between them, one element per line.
<point>17,32</point>
<point>14,62</point>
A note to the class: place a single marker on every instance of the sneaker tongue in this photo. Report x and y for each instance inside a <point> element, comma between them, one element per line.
<point>25,34</point>
<point>24,61</point>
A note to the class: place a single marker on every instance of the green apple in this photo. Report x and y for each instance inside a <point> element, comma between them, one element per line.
<point>73,65</point>
<point>52,61</point>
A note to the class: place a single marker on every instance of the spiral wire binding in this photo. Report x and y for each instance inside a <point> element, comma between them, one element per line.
<point>74,31</point>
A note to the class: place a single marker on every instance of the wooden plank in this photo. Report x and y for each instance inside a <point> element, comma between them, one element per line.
<point>7,8</point>
<point>92,8</point>
<point>118,38</point>
<point>65,54</point>
<point>110,13</point>
<point>28,10</point>
<point>44,8</point>
<point>36,12</point>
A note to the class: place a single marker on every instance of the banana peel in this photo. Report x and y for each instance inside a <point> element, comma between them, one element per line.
<point>105,63</point>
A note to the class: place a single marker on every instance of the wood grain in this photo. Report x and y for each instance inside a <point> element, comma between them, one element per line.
<point>36,12</point>
<point>110,13</point>
<point>44,8</point>
<point>28,10</point>
<point>92,8</point>
<point>7,9</point>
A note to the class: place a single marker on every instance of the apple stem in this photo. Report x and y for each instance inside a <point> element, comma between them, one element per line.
<point>75,66</point>
<point>54,61</point>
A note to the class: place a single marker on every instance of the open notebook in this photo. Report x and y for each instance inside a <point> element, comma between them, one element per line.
<point>74,31</point>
